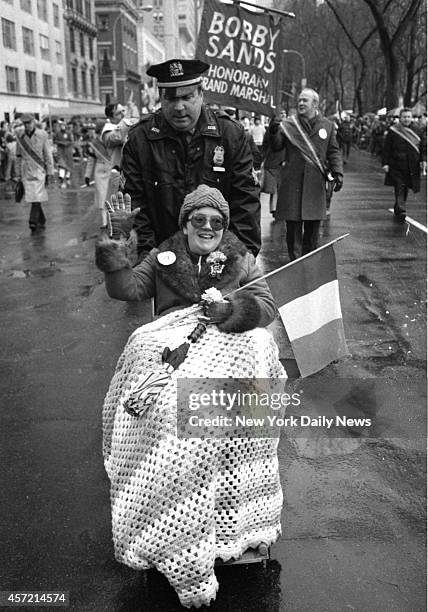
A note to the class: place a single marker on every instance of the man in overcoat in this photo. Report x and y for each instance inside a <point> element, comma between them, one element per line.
<point>312,157</point>
<point>182,145</point>
<point>109,151</point>
<point>404,154</point>
<point>34,166</point>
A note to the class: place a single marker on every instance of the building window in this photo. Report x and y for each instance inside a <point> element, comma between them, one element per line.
<point>88,10</point>
<point>44,47</point>
<point>91,49</point>
<point>84,86</point>
<point>82,44</point>
<point>9,38</point>
<point>72,41</point>
<point>28,41</point>
<point>26,6</point>
<point>61,87</point>
<point>58,52</point>
<point>103,22</point>
<point>93,93</point>
<point>47,84</point>
<point>79,7</point>
<point>42,9</point>
<point>30,78</point>
<point>12,79</point>
<point>74,82</point>
<point>69,4</point>
<point>56,15</point>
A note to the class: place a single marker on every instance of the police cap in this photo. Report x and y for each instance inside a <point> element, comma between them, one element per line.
<point>178,72</point>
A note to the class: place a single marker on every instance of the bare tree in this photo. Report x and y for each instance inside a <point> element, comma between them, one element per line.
<point>393,18</point>
<point>358,45</point>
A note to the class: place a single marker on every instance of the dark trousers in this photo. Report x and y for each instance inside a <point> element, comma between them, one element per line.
<point>346,149</point>
<point>37,216</point>
<point>302,237</point>
<point>401,193</point>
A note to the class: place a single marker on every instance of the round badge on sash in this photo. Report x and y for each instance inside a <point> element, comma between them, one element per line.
<point>166,258</point>
<point>322,133</point>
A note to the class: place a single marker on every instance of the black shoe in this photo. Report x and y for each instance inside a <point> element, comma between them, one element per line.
<point>399,214</point>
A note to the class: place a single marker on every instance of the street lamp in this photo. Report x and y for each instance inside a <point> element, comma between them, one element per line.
<point>113,58</point>
<point>303,81</point>
<point>146,8</point>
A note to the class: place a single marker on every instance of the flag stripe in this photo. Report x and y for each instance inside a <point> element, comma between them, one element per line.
<point>307,313</point>
<point>317,350</point>
<point>303,276</point>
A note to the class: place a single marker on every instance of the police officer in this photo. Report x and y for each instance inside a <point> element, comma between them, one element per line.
<point>182,145</point>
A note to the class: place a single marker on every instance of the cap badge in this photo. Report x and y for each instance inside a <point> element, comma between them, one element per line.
<point>218,158</point>
<point>166,258</point>
<point>176,69</point>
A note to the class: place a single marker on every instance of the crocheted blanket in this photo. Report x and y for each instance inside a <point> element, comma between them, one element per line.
<point>178,504</point>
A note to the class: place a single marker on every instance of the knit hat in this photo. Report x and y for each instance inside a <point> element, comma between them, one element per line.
<point>203,196</point>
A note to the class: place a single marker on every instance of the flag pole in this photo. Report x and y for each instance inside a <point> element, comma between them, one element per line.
<point>324,246</point>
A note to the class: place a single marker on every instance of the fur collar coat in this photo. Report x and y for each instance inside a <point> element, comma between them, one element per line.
<point>177,278</point>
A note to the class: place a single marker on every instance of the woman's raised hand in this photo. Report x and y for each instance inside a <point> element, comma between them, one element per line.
<point>121,217</point>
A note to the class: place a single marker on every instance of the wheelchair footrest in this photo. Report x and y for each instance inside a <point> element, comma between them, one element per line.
<point>251,555</point>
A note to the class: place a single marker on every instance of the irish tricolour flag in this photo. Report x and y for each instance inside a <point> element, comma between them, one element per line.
<point>307,294</point>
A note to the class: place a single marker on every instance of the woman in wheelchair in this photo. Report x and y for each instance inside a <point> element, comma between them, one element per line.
<point>182,500</point>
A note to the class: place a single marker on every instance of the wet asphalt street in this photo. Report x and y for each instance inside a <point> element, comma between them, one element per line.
<point>354,512</point>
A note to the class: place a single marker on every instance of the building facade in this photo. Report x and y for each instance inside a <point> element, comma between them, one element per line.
<point>33,71</point>
<point>81,50</point>
<point>150,51</point>
<point>174,23</point>
<point>35,59</point>
<point>118,51</point>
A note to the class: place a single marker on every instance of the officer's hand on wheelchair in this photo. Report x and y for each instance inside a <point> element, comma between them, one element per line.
<point>121,216</point>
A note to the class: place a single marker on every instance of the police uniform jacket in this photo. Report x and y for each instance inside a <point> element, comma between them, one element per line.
<point>161,166</point>
<point>302,192</point>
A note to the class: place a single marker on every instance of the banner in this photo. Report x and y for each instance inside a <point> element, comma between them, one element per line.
<point>244,50</point>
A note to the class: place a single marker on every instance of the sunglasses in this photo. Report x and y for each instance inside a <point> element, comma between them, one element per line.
<point>199,220</point>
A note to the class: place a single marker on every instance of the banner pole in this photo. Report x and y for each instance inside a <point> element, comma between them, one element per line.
<point>266,9</point>
<point>290,263</point>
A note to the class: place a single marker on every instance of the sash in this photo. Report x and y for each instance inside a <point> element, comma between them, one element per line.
<point>294,133</point>
<point>99,150</point>
<point>31,153</point>
<point>408,135</point>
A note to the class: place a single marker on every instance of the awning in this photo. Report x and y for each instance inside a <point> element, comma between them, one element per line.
<point>87,110</point>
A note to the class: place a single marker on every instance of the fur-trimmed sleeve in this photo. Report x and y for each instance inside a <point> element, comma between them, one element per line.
<point>251,307</point>
<point>123,282</point>
<point>245,313</point>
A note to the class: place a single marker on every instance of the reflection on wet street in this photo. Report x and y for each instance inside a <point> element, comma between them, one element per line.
<point>354,511</point>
